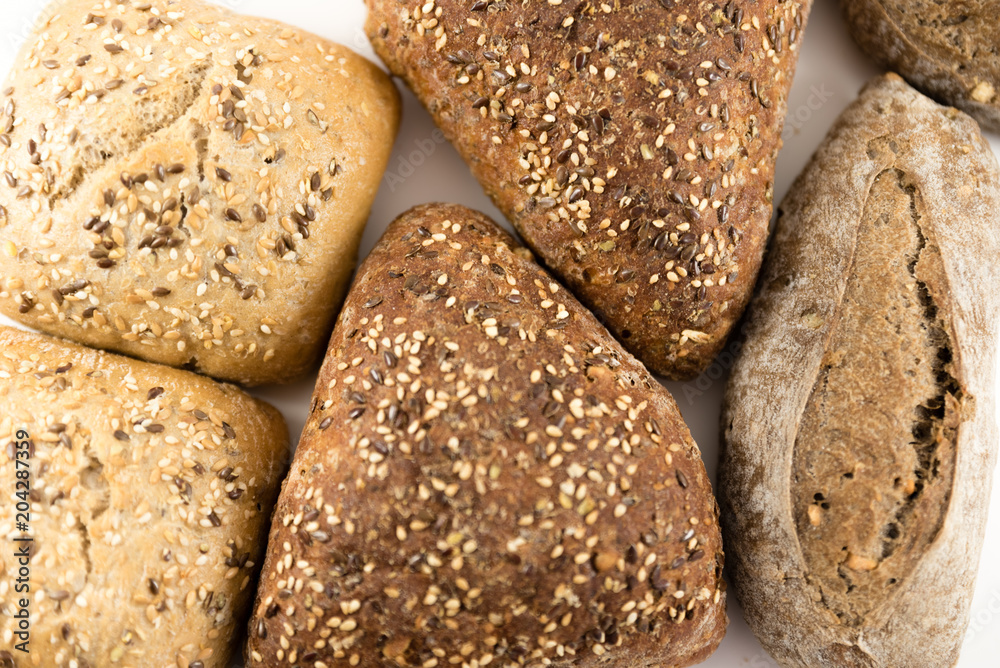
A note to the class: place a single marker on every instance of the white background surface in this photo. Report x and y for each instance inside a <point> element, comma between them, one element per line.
<point>830,73</point>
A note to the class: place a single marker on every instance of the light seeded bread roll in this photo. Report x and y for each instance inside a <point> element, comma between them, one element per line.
<point>151,491</point>
<point>187,185</point>
<point>860,423</point>
<point>486,478</point>
<point>632,144</point>
<point>949,49</point>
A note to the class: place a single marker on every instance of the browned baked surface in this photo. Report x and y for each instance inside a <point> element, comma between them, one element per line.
<point>949,49</point>
<point>486,477</point>
<point>632,145</point>
<point>186,185</point>
<point>150,494</point>
<point>859,426</point>
<point>874,460</point>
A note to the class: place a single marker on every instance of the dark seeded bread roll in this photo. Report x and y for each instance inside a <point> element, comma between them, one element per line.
<point>151,490</point>
<point>486,477</point>
<point>949,49</point>
<point>185,185</point>
<point>632,144</point>
<point>860,420</point>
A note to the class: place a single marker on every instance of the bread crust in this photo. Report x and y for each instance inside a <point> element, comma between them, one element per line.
<point>918,617</point>
<point>946,49</point>
<point>632,147</point>
<point>486,475</point>
<point>151,492</point>
<point>187,185</point>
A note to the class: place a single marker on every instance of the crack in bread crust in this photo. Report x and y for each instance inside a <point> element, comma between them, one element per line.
<point>874,460</point>
<point>152,116</point>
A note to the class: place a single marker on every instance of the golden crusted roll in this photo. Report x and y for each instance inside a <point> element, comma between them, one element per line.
<point>186,185</point>
<point>150,493</point>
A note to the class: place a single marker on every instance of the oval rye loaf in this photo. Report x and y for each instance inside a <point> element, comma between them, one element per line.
<point>860,423</point>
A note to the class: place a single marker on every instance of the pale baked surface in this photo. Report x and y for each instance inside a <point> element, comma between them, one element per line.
<point>859,429</point>
<point>486,477</point>
<point>151,492</point>
<point>949,49</point>
<point>632,144</point>
<point>187,185</point>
